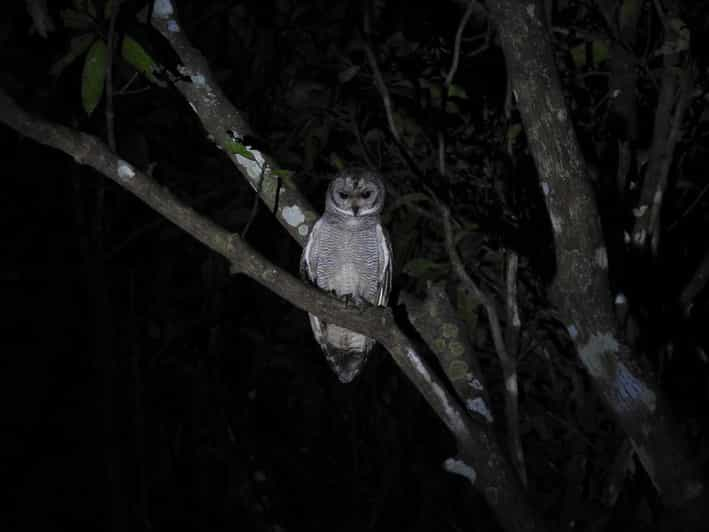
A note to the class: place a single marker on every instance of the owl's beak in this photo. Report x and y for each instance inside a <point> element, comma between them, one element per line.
<point>355,209</point>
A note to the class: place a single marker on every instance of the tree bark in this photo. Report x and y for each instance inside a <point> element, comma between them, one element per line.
<point>580,289</point>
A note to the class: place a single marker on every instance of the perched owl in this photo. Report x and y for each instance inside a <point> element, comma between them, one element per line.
<point>348,253</point>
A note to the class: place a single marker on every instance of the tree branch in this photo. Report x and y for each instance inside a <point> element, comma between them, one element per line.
<point>492,475</point>
<point>230,132</point>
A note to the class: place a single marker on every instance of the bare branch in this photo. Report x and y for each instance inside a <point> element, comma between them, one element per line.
<point>696,284</point>
<point>379,79</point>
<point>672,104</point>
<point>509,365</point>
<point>230,132</point>
<point>458,39</point>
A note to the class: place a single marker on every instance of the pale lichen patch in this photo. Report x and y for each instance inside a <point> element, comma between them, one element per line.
<point>639,211</point>
<point>199,80</point>
<point>172,26</point>
<point>303,229</point>
<point>479,406</point>
<point>573,331</point>
<point>511,384</point>
<point>163,8</point>
<point>439,344</point>
<point>458,467</point>
<point>253,167</point>
<point>602,258</point>
<point>449,330</point>
<point>630,390</point>
<point>456,348</point>
<point>293,215</point>
<point>125,170</point>
<point>639,237</point>
<point>458,370</point>
<point>453,418</point>
<point>475,384</point>
<point>594,351</point>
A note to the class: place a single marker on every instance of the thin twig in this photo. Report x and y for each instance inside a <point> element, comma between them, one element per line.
<point>124,88</point>
<point>254,207</point>
<point>378,79</point>
<point>458,38</point>
<point>358,136</point>
<point>441,153</point>
<point>507,363</point>
<point>696,284</point>
<point>513,321</point>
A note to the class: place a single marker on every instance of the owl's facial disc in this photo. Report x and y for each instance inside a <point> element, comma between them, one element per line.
<point>355,196</point>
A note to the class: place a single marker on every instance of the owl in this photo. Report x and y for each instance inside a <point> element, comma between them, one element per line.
<point>348,253</point>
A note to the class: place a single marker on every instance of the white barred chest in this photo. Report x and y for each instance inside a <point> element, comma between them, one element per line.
<point>348,262</point>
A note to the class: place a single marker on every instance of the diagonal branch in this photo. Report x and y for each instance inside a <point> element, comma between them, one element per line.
<point>491,474</point>
<point>229,130</point>
<point>508,363</point>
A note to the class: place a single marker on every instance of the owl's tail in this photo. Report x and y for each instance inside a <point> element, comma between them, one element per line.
<point>346,351</point>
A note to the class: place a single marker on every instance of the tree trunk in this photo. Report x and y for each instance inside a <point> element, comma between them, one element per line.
<point>580,289</point>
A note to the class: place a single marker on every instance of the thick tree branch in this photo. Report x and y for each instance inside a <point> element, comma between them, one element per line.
<point>492,476</point>
<point>230,132</point>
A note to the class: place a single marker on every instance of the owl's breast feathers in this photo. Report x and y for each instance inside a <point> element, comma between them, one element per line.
<point>348,261</point>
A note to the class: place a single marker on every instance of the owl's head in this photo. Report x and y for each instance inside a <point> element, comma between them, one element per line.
<point>355,192</point>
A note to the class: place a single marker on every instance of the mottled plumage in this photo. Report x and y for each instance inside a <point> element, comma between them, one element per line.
<point>348,253</point>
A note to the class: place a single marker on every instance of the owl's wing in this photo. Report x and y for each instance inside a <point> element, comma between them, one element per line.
<point>308,260</point>
<point>385,265</point>
<point>308,271</point>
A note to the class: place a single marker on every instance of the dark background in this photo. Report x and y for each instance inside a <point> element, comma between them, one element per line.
<point>145,388</point>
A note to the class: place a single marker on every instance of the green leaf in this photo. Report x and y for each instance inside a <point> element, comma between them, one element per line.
<point>235,147</point>
<point>456,91</point>
<point>94,76</point>
<point>426,269</point>
<point>135,55</point>
<point>599,49</point>
<point>285,175</point>
<point>336,161</point>
<point>436,91</point>
<point>578,54</point>
<point>77,46</point>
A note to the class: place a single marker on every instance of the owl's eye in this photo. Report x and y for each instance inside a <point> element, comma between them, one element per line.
<point>366,194</point>
<point>343,195</point>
